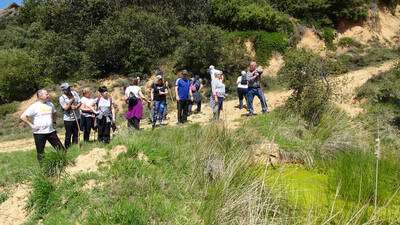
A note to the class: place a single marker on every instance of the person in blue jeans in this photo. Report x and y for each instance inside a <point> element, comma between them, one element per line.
<point>159,97</point>
<point>254,89</point>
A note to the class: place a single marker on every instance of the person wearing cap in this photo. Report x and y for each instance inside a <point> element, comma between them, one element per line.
<point>70,103</point>
<point>218,94</point>
<point>135,109</point>
<point>254,89</point>
<point>159,97</point>
<point>183,95</point>
<point>43,118</point>
<point>242,88</point>
<point>105,117</point>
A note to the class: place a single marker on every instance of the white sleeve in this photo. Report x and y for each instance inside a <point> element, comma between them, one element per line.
<point>239,80</point>
<point>30,111</point>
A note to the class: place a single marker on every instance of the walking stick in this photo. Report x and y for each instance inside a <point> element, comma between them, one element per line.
<point>79,128</point>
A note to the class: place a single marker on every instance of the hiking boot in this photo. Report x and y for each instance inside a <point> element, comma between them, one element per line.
<point>249,114</point>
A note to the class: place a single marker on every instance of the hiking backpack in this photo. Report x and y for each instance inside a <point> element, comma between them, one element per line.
<point>132,100</point>
<point>244,80</point>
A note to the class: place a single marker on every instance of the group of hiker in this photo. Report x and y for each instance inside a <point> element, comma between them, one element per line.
<point>89,113</point>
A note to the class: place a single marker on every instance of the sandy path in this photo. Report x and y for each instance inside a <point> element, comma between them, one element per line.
<point>12,211</point>
<point>352,81</point>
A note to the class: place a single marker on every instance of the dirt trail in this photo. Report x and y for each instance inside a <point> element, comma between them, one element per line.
<point>12,211</point>
<point>352,81</point>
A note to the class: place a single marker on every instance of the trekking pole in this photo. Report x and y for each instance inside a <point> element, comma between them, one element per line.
<point>79,128</point>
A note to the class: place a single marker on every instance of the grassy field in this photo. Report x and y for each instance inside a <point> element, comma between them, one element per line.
<point>201,175</point>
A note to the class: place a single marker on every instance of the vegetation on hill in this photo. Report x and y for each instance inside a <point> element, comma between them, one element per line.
<point>80,39</point>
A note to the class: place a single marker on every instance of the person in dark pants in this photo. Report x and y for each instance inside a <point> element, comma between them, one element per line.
<point>105,117</point>
<point>183,96</point>
<point>254,89</point>
<point>70,103</point>
<point>242,89</point>
<point>43,117</point>
<point>88,113</point>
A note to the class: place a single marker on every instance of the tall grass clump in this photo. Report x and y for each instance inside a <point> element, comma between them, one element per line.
<point>41,199</point>
<point>353,175</point>
<point>54,163</point>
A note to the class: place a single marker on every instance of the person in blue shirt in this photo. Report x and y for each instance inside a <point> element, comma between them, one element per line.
<point>183,96</point>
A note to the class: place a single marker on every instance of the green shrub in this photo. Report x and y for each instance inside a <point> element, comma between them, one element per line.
<point>19,75</point>
<point>60,57</point>
<point>306,73</point>
<point>8,108</point>
<point>267,43</point>
<point>328,35</point>
<point>353,173</point>
<point>249,15</point>
<point>132,41</point>
<point>349,42</point>
<point>195,53</point>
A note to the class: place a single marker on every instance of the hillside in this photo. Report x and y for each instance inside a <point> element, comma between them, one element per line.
<point>327,153</point>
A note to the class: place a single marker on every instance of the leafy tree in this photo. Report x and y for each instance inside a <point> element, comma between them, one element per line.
<point>19,75</point>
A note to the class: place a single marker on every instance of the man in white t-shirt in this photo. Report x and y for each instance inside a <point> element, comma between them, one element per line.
<point>42,116</point>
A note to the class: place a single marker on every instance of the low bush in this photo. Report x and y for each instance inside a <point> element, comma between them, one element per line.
<point>265,43</point>
<point>8,108</point>
<point>329,34</point>
<point>349,42</point>
<point>306,73</point>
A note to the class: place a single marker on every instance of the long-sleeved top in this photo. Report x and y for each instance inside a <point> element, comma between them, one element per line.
<point>218,88</point>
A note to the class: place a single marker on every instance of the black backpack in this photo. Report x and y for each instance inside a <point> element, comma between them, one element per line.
<point>244,80</point>
<point>132,100</point>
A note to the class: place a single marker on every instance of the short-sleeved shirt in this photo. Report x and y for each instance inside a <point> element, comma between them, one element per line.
<point>42,117</point>
<point>87,102</point>
<point>156,92</point>
<point>69,115</point>
<point>183,85</point>
<point>134,89</point>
